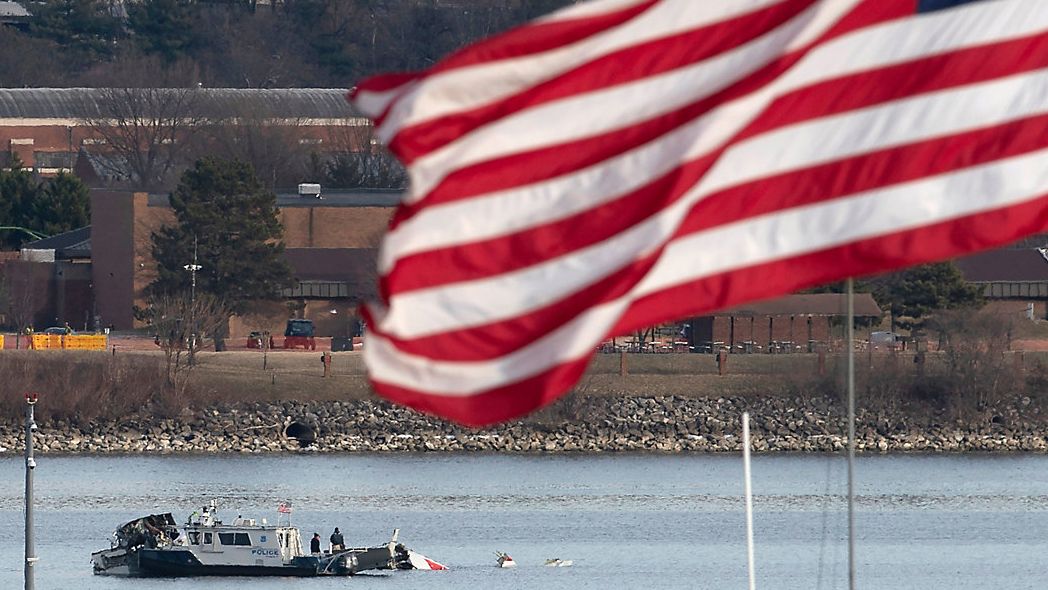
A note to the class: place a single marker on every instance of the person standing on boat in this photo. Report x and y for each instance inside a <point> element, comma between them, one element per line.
<point>314,544</point>
<point>338,543</point>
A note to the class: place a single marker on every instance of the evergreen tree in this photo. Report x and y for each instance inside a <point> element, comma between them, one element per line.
<point>915,294</point>
<point>17,193</point>
<point>62,204</point>
<point>223,210</point>
<point>87,28</point>
<point>167,28</point>
<point>58,205</point>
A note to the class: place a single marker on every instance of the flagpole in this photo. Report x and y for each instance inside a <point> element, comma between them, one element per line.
<point>851,434</point>
<point>748,493</point>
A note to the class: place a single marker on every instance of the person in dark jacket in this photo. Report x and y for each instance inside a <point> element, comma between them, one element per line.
<point>314,544</point>
<point>338,543</point>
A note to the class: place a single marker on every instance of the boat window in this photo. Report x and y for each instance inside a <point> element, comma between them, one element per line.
<point>194,538</point>
<point>225,538</point>
<point>208,539</point>
<point>280,539</point>
<point>242,539</point>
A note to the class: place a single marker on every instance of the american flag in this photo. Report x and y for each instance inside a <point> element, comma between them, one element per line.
<point>623,163</point>
<point>284,507</point>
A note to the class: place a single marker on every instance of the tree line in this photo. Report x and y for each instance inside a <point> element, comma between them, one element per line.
<point>243,43</point>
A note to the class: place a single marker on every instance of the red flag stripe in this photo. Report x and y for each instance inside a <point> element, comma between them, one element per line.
<point>836,179</point>
<point>622,66</point>
<point>784,234</point>
<point>926,116</point>
<point>866,51</point>
<point>440,94</point>
<point>516,398</point>
<point>633,63</point>
<point>427,268</point>
<point>374,95</point>
<point>617,114</point>
<point>525,243</point>
<point>832,180</point>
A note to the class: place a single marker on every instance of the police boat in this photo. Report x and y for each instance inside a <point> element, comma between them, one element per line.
<point>155,546</point>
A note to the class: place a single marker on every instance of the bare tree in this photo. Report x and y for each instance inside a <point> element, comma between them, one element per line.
<point>146,132</point>
<point>19,295</point>
<point>273,144</point>
<point>182,323</point>
<point>358,160</point>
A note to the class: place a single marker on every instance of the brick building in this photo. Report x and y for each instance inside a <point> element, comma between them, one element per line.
<point>788,324</point>
<point>57,129</point>
<point>331,246</point>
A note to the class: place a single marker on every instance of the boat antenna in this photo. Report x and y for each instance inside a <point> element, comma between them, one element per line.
<point>851,433</point>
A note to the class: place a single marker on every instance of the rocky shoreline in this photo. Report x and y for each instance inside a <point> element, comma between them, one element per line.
<point>576,425</point>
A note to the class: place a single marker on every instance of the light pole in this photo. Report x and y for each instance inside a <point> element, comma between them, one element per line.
<point>192,268</point>
<point>30,465</point>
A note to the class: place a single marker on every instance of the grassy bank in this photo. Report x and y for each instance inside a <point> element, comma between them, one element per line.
<point>82,386</point>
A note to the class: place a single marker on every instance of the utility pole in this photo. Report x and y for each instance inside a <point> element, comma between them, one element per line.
<point>192,268</point>
<point>30,465</point>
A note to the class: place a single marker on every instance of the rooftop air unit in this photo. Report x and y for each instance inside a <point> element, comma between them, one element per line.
<point>309,190</point>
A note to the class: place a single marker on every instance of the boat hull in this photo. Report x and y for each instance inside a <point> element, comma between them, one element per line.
<point>157,563</point>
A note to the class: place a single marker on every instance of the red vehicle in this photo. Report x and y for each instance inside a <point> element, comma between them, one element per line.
<point>299,334</point>
<point>257,339</point>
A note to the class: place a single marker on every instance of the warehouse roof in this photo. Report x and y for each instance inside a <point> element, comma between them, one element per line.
<point>73,103</point>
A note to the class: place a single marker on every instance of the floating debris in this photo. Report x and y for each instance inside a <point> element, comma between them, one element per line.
<point>559,562</point>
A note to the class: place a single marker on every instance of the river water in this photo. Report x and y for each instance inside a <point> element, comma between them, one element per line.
<point>627,521</point>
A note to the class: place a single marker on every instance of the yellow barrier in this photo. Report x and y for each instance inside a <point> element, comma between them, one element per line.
<point>1,340</point>
<point>70,341</point>
<point>85,342</point>
<point>47,341</point>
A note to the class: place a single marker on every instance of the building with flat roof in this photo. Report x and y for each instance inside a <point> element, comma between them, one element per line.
<point>331,246</point>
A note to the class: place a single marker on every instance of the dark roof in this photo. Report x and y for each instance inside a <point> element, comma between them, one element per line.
<point>74,103</point>
<point>354,266</point>
<point>1005,265</point>
<point>363,197</point>
<point>71,244</point>
<point>817,304</point>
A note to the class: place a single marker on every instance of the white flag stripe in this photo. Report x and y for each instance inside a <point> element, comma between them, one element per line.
<point>754,241</point>
<point>898,123</point>
<point>441,94</point>
<point>602,111</point>
<point>793,148</point>
<point>439,309</point>
<point>514,209</point>
<point>460,379</point>
<point>945,31</point>
<point>373,103</point>
<point>792,232</point>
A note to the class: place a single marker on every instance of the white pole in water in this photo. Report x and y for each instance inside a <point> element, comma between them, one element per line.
<point>851,435</point>
<point>749,497</point>
<point>30,465</point>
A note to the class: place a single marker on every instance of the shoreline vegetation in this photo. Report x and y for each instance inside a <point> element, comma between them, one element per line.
<point>101,403</point>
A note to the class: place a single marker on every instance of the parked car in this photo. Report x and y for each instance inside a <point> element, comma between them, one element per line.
<point>58,330</point>
<point>256,339</point>
<point>299,334</point>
